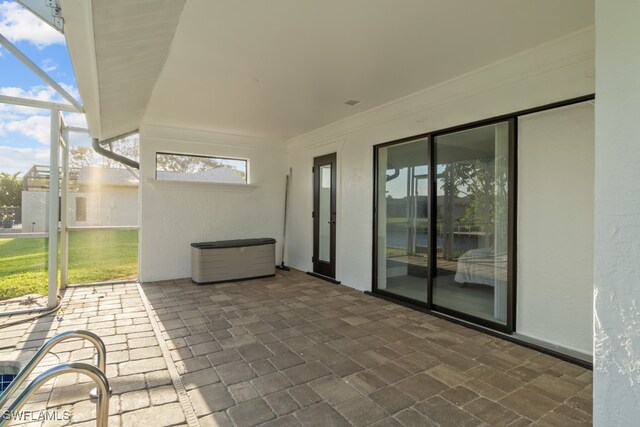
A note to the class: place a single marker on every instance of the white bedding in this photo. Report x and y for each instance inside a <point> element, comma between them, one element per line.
<point>482,266</point>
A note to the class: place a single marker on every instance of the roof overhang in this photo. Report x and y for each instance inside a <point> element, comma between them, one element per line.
<point>118,49</point>
<point>81,45</point>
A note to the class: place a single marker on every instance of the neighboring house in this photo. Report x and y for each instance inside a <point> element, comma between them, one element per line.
<point>97,197</point>
<point>220,175</point>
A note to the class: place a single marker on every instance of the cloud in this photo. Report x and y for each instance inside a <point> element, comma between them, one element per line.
<point>48,65</point>
<point>71,89</point>
<point>41,93</point>
<point>13,112</point>
<point>27,121</point>
<point>14,159</point>
<point>35,127</point>
<point>34,123</point>
<point>18,24</point>
<point>75,120</point>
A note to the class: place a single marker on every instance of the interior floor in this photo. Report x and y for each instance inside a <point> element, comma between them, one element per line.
<point>423,261</point>
<point>408,286</point>
<point>476,300</point>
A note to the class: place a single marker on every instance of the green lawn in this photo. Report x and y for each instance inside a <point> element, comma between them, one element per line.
<point>94,256</point>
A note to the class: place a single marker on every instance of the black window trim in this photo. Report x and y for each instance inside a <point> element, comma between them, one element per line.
<point>204,156</point>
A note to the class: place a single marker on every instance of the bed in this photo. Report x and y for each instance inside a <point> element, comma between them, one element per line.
<point>483,266</point>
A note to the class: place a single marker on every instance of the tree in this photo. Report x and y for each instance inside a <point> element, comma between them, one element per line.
<point>80,157</point>
<point>128,147</point>
<point>86,156</point>
<point>177,163</point>
<point>484,186</point>
<point>192,164</point>
<point>10,189</point>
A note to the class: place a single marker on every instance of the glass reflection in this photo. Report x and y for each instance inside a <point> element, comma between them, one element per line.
<point>472,221</point>
<point>402,219</point>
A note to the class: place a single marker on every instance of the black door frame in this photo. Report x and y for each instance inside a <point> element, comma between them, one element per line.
<point>323,268</point>
<point>512,119</point>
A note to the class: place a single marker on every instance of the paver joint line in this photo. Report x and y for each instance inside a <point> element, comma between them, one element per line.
<point>183,397</point>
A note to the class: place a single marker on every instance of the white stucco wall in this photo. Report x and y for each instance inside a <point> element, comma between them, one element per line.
<point>552,72</point>
<point>174,215</point>
<point>617,215</point>
<point>34,211</point>
<point>107,207</point>
<point>555,226</point>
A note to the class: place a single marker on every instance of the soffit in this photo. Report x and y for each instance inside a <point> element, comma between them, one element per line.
<point>118,48</point>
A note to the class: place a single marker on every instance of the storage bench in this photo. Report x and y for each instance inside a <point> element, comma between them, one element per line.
<point>229,260</point>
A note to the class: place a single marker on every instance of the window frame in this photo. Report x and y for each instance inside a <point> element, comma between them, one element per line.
<point>246,161</point>
<point>512,120</point>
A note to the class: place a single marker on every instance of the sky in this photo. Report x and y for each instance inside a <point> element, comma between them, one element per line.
<point>24,131</point>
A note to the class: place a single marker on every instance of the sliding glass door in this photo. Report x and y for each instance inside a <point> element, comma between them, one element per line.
<point>472,168</point>
<point>402,223</point>
<point>443,218</point>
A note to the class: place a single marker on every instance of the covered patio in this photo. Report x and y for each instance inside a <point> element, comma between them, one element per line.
<point>295,350</point>
<point>457,178</point>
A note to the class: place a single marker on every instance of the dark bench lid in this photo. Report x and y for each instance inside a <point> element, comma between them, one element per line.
<point>234,243</point>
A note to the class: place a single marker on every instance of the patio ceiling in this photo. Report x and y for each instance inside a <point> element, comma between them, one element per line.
<point>281,68</point>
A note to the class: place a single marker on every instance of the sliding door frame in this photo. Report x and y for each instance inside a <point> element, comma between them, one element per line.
<point>512,120</point>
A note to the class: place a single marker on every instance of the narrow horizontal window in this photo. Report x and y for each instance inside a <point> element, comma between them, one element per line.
<point>182,167</point>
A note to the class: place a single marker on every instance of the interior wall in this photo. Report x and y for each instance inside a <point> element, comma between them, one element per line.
<point>174,215</point>
<point>616,396</point>
<point>555,226</point>
<point>555,71</point>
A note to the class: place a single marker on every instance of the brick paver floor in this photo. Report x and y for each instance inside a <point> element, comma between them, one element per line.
<point>295,350</point>
<point>292,350</point>
<point>138,374</point>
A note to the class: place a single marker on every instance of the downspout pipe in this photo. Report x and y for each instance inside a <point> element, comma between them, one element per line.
<point>97,146</point>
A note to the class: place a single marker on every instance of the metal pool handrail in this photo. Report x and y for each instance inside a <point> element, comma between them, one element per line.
<point>45,349</point>
<point>102,407</point>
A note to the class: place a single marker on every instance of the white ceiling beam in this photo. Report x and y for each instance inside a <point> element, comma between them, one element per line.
<point>77,129</point>
<point>25,102</point>
<point>33,67</point>
<point>47,10</point>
